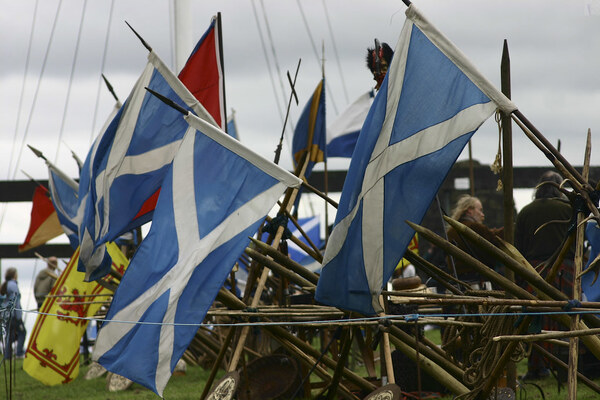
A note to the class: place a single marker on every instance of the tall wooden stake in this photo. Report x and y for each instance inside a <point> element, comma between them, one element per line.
<point>574,341</point>
<point>507,184</point>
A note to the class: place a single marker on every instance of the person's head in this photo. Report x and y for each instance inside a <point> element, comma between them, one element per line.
<point>10,274</point>
<point>378,61</point>
<point>52,263</point>
<point>548,191</point>
<point>468,207</point>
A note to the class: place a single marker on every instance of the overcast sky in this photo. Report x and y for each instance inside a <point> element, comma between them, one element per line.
<point>554,49</point>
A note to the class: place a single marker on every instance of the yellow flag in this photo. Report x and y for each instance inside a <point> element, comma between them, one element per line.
<point>52,355</point>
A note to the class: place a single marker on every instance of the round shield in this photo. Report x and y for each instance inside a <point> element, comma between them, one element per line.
<point>387,392</point>
<point>226,387</point>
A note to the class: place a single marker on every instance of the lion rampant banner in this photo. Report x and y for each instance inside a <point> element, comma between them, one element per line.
<point>52,355</point>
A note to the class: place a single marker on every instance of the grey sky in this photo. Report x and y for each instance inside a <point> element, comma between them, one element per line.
<point>554,48</point>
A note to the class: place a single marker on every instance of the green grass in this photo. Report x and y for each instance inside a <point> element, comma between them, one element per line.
<point>191,385</point>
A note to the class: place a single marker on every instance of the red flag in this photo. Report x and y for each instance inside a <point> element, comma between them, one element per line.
<point>44,223</point>
<point>203,76</point>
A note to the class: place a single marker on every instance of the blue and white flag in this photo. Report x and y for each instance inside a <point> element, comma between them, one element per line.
<point>213,198</point>
<point>430,103</point>
<point>127,163</point>
<point>64,195</point>
<point>342,134</point>
<point>309,135</point>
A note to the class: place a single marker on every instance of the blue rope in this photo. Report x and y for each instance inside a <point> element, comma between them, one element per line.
<point>405,317</point>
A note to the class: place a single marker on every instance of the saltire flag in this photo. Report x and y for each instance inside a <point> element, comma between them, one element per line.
<point>309,135</point>
<point>44,224</point>
<point>343,132</point>
<point>52,355</point>
<point>124,169</point>
<point>430,103</point>
<point>64,195</point>
<point>215,195</point>
<point>203,73</point>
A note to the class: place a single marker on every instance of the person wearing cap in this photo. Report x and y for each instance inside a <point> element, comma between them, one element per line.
<point>44,281</point>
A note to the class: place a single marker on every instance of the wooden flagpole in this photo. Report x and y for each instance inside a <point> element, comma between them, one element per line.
<point>574,341</point>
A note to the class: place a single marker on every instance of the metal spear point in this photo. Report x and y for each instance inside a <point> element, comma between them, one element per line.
<point>146,45</point>
<point>168,101</point>
<point>37,152</point>
<point>110,88</point>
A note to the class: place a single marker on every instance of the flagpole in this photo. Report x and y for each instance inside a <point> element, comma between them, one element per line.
<point>288,202</point>
<point>574,341</point>
<point>293,95</point>
<point>220,40</point>
<point>507,184</point>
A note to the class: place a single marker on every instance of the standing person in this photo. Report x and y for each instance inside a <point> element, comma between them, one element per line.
<point>16,327</point>
<point>44,281</point>
<point>469,211</point>
<point>549,204</point>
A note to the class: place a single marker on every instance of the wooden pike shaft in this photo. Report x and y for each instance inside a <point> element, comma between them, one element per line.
<point>574,341</point>
<point>287,204</point>
<point>435,357</point>
<point>310,250</point>
<point>441,276</point>
<point>592,342</point>
<point>279,333</point>
<point>591,384</point>
<point>286,261</point>
<point>550,335</point>
<point>441,374</point>
<point>278,268</point>
<point>495,301</point>
<point>550,147</point>
<point>219,359</point>
<point>319,370</point>
<point>315,252</point>
<point>532,277</point>
<point>579,184</point>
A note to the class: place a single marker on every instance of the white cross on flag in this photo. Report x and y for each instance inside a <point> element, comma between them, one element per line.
<point>429,105</point>
<point>212,200</point>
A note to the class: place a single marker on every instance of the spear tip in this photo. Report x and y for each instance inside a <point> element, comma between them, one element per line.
<point>37,152</point>
<point>168,101</point>
<point>146,45</point>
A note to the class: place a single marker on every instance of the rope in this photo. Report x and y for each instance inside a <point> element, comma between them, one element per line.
<point>335,52</point>
<point>64,117</point>
<point>21,95</point>
<point>312,42</point>
<point>37,89</point>
<point>278,101</point>
<point>20,107</point>
<point>110,15</point>
<point>377,319</point>
<point>485,356</point>
<point>276,62</point>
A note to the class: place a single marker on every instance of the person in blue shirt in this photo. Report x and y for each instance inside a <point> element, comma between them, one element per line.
<point>16,327</point>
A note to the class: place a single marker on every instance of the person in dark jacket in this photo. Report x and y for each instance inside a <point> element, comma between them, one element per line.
<point>537,240</point>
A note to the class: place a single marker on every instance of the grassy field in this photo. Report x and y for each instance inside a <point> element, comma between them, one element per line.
<point>190,386</point>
